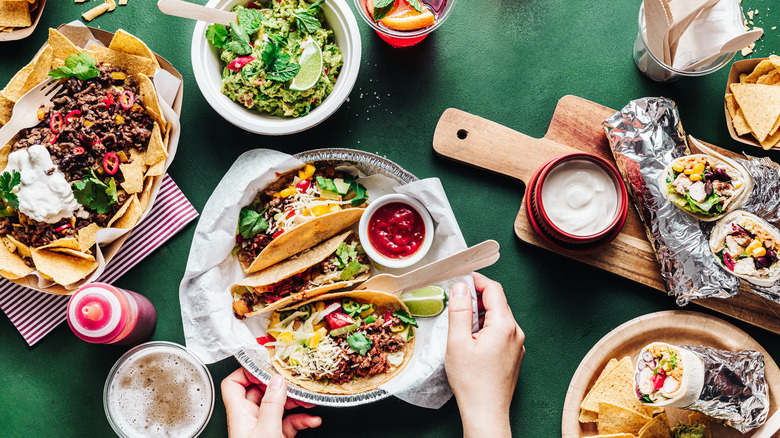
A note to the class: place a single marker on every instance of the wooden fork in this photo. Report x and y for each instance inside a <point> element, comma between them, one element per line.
<point>25,113</point>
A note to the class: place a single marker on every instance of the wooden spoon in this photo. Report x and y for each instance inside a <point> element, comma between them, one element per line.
<point>178,8</point>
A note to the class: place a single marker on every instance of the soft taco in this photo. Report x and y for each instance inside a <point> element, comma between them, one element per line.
<point>704,186</point>
<point>299,210</point>
<point>337,263</point>
<point>343,343</point>
<point>747,246</point>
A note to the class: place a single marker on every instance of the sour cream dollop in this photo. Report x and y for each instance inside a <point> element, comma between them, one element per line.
<point>579,197</point>
<point>42,197</point>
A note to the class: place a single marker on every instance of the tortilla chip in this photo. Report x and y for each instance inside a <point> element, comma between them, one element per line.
<point>616,388</point>
<point>13,90</point>
<point>87,236</point>
<point>62,46</point>
<point>130,63</point>
<point>771,78</point>
<point>111,5</point>
<point>133,173</point>
<point>588,416</point>
<point>74,253</point>
<point>618,419</point>
<point>150,100</point>
<point>41,67</point>
<point>743,78</point>
<point>128,43</point>
<point>761,69</point>
<point>62,268</point>
<point>95,12</point>
<point>128,215</point>
<point>122,2</point>
<point>761,106</point>
<point>15,14</point>
<point>737,118</point>
<point>155,151</point>
<point>4,152</point>
<point>65,242</point>
<point>9,244</point>
<point>12,266</point>
<point>6,109</point>
<point>21,248</point>
<point>146,195</point>
<point>658,427</point>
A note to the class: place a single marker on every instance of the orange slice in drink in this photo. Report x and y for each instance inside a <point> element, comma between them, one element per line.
<point>404,17</point>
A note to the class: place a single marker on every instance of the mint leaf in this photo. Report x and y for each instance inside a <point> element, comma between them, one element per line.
<point>250,223</point>
<point>94,194</point>
<point>284,72</point>
<point>240,44</point>
<point>250,19</point>
<point>306,21</point>
<point>404,316</point>
<point>269,54</point>
<point>277,64</point>
<point>80,65</point>
<point>382,8</point>
<point>359,342</point>
<point>217,35</point>
<point>416,5</point>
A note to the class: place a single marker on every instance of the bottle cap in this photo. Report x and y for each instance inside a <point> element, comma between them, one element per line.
<point>95,313</point>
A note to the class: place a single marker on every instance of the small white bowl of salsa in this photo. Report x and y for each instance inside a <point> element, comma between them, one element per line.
<point>396,231</point>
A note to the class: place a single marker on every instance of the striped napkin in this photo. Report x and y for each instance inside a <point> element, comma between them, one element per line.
<point>35,313</point>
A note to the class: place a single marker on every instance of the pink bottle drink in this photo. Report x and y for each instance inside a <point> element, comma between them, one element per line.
<point>103,314</point>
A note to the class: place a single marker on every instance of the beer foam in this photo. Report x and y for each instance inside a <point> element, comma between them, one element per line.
<point>160,392</point>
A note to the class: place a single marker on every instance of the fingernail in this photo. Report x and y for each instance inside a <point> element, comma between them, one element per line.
<point>275,383</point>
<point>459,290</point>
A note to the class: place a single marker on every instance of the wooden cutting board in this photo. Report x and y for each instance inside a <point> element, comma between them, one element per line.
<point>576,127</point>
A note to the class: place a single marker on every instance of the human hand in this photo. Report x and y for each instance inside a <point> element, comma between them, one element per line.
<point>255,411</point>
<point>483,367</point>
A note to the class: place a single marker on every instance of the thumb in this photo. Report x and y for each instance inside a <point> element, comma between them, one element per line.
<point>269,419</point>
<point>460,314</point>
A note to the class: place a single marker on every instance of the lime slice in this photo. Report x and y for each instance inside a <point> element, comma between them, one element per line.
<point>311,66</point>
<point>425,302</point>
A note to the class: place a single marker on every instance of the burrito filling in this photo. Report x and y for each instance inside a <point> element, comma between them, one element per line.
<point>748,249</point>
<point>310,194</point>
<point>347,262</point>
<point>660,374</point>
<point>701,186</point>
<point>337,341</point>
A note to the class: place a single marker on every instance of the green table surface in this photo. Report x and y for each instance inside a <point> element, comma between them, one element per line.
<point>506,60</point>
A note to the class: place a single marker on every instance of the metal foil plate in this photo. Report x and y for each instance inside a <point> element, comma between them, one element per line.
<point>369,164</point>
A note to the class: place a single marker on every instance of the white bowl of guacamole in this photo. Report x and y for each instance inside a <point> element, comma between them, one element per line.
<point>208,68</point>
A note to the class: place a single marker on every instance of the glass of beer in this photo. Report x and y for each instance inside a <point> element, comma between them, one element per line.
<point>159,389</point>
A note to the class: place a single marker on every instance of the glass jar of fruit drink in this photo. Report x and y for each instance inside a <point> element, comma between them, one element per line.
<point>404,23</point>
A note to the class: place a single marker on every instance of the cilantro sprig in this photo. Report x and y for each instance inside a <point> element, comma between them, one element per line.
<point>80,65</point>
<point>250,222</point>
<point>305,19</point>
<point>405,317</point>
<point>8,181</point>
<point>94,194</point>
<point>359,342</point>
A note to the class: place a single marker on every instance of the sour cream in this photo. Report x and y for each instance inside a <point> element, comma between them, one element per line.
<point>579,197</point>
<point>42,197</point>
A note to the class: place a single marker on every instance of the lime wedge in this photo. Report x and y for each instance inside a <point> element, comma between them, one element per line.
<point>425,302</point>
<point>311,66</point>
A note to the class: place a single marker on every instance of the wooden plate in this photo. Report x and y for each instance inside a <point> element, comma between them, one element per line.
<point>674,327</point>
<point>24,32</point>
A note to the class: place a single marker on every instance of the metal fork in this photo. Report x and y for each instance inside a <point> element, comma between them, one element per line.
<point>25,113</point>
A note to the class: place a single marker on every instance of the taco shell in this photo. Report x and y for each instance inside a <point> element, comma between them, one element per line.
<point>382,302</point>
<point>739,175</point>
<point>722,241</point>
<point>290,267</point>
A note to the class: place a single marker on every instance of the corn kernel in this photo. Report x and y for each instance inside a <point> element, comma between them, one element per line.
<point>695,177</point>
<point>688,171</point>
<point>698,167</point>
<point>759,252</point>
<point>748,225</point>
<point>679,167</point>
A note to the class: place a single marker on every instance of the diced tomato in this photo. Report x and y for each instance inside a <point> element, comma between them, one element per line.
<point>658,380</point>
<point>265,339</point>
<point>239,63</point>
<point>303,185</point>
<point>338,319</point>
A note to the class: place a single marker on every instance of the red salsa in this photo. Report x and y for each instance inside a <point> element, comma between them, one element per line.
<point>396,230</point>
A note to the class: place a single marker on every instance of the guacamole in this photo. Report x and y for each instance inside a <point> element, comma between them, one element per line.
<point>262,52</point>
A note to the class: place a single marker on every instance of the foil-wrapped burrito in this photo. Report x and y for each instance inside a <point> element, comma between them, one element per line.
<point>721,384</point>
<point>646,137</point>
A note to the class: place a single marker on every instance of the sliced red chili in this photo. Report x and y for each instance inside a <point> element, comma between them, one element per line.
<point>72,114</point>
<point>78,150</point>
<point>111,163</point>
<point>62,227</point>
<point>109,100</point>
<point>126,99</point>
<point>53,138</point>
<point>91,141</point>
<point>56,122</point>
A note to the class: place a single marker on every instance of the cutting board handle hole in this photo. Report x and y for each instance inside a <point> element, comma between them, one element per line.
<point>462,134</point>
